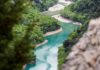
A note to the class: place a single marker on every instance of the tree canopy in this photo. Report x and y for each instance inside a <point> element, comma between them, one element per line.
<point>21,28</point>
<point>89,8</point>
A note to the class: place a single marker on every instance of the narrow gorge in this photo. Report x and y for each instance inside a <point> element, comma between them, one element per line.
<point>49,34</point>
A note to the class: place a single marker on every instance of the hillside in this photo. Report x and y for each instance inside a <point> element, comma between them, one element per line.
<point>85,55</point>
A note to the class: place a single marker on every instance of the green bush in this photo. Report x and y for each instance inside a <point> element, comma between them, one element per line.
<point>61,56</point>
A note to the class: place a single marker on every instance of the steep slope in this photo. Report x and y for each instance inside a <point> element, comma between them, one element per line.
<point>85,55</point>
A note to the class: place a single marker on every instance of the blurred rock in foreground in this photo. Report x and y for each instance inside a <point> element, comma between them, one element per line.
<point>85,55</point>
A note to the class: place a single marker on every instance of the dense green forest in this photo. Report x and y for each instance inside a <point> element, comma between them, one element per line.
<point>40,23</point>
<point>43,5</point>
<point>21,27</point>
<point>81,11</point>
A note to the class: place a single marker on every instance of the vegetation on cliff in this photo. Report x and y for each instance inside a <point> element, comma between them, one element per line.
<point>81,11</point>
<point>85,54</point>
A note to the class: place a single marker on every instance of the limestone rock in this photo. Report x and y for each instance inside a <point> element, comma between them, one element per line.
<point>85,55</point>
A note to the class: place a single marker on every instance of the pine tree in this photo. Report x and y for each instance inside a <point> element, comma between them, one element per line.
<point>15,49</point>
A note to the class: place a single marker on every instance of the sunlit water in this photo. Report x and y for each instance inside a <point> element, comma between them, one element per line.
<point>46,55</point>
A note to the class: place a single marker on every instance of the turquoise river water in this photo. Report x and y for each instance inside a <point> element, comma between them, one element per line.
<point>46,55</point>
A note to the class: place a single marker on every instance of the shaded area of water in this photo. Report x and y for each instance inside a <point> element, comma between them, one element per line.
<point>46,55</point>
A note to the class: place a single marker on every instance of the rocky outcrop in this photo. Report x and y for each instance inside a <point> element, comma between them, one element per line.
<point>85,55</point>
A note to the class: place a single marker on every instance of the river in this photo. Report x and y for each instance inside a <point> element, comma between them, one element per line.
<point>46,55</point>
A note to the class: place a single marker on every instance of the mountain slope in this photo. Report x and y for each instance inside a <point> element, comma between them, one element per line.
<point>85,55</point>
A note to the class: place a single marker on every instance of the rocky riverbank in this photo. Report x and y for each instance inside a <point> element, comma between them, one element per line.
<point>47,34</point>
<point>53,32</point>
<point>85,55</point>
<point>40,44</point>
<point>65,20</point>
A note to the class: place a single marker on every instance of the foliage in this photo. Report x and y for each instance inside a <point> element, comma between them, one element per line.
<point>75,36</point>
<point>48,24</point>
<point>41,23</point>
<point>43,5</point>
<point>21,28</point>
<point>61,55</point>
<point>68,13</point>
<point>71,40</point>
<point>15,48</point>
<point>82,9</point>
<point>89,7</point>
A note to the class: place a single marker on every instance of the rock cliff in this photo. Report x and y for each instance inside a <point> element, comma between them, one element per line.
<point>85,55</point>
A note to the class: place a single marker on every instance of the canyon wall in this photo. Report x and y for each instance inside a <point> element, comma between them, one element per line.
<point>85,55</point>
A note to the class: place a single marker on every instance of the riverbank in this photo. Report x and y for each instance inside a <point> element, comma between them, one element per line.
<point>61,19</point>
<point>47,54</point>
<point>53,32</point>
<point>48,34</point>
<point>40,44</point>
<point>65,20</point>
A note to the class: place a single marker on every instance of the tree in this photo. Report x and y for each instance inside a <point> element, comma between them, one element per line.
<point>20,30</point>
<point>14,51</point>
<point>90,8</point>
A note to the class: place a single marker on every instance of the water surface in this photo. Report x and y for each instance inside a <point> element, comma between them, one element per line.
<point>46,55</point>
